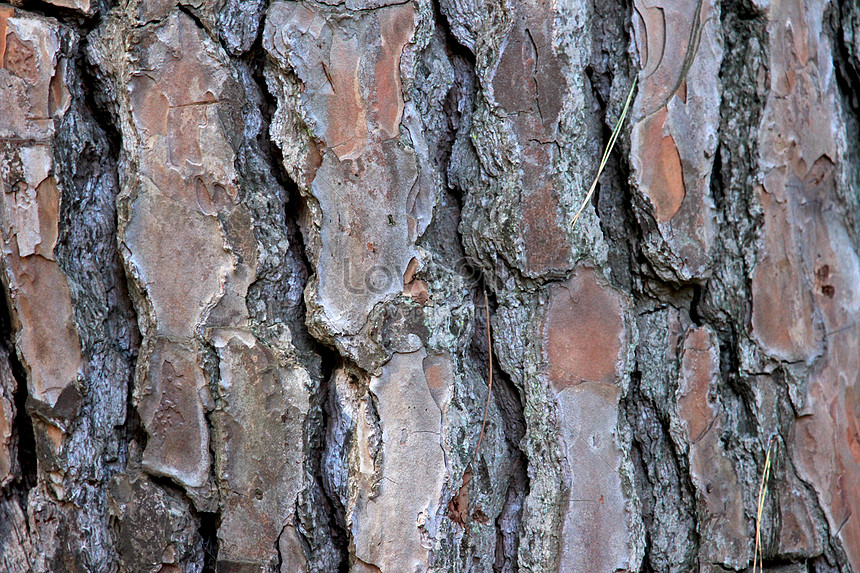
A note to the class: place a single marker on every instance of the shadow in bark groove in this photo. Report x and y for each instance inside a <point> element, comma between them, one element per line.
<point>459,106</point>
<point>671,520</point>
<point>294,205</point>
<point>844,32</point>
<point>23,424</point>
<point>209,523</point>
<point>332,504</point>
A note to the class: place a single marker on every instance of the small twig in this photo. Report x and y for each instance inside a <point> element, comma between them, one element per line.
<point>762,493</point>
<point>489,376</point>
<point>612,139</point>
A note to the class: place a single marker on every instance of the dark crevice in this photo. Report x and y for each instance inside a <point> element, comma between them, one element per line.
<point>293,202</point>
<point>645,493</point>
<point>462,91</point>
<point>458,107</point>
<point>740,113</point>
<point>320,500</point>
<point>67,16</point>
<point>718,193</point>
<point>453,46</point>
<point>694,306</point>
<point>600,98</point>
<point>209,523</point>
<point>663,481</point>
<point>508,399</point>
<point>613,197</point>
<point>843,20</point>
<point>98,109</point>
<point>333,506</point>
<point>508,523</point>
<point>736,154</point>
<point>23,423</point>
<point>27,461</point>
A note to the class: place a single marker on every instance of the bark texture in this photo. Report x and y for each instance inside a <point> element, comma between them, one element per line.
<point>253,251</point>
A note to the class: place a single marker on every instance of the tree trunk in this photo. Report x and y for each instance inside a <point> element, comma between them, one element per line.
<point>254,252</point>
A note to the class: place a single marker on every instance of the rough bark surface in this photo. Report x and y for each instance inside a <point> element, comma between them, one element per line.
<point>253,251</point>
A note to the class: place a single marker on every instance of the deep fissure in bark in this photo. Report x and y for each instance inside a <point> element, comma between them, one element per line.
<point>506,395</point>
<point>103,156</point>
<point>844,33</point>
<point>508,523</point>
<point>333,509</point>
<point>23,424</point>
<point>660,469</point>
<point>208,529</point>
<point>294,206</point>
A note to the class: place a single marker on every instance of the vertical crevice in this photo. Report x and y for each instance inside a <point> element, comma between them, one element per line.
<point>663,483</point>
<point>509,401</point>
<point>612,198</point>
<point>458,107</point>
<point>323,361</point>
<point>844,31</point>
<point>333,507</point>
<point>99,162</point>
<point>23,423</point>
<point>208,530</point>
<point>27,461</point>
<point>509,521</point>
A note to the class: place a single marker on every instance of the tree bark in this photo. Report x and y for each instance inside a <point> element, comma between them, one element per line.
<point>266,262</point>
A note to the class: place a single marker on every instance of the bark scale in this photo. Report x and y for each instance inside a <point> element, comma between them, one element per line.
<point>245,246</point>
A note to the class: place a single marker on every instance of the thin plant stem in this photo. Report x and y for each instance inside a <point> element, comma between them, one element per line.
<point>762,494</point>
<point>612,139</point>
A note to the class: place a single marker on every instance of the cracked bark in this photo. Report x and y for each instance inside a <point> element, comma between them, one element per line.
<point>244,249</point>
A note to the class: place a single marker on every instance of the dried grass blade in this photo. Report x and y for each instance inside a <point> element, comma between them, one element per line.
<point>612,139</point>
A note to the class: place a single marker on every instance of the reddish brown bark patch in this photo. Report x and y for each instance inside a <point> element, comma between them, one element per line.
<point>149,105</point>
<point>798,533</point>
<point>529,85</point>
<point>346,133</point>
<point>663,173</point>
<point>583,332</point>
<point>545,239</point>
<point>172,414</point>
<point>782,309</point>
<point>396,27</point>
<point>820,448</point>
<point>724,524</point>
<point>20,59</point>
<point>6,12</point>
<point>694,404</point>
<point>48,197</point>
<point>348,112</point>
<point>48,339</point>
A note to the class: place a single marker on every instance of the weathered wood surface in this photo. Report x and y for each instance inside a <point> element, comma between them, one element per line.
<point>244,249</point>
